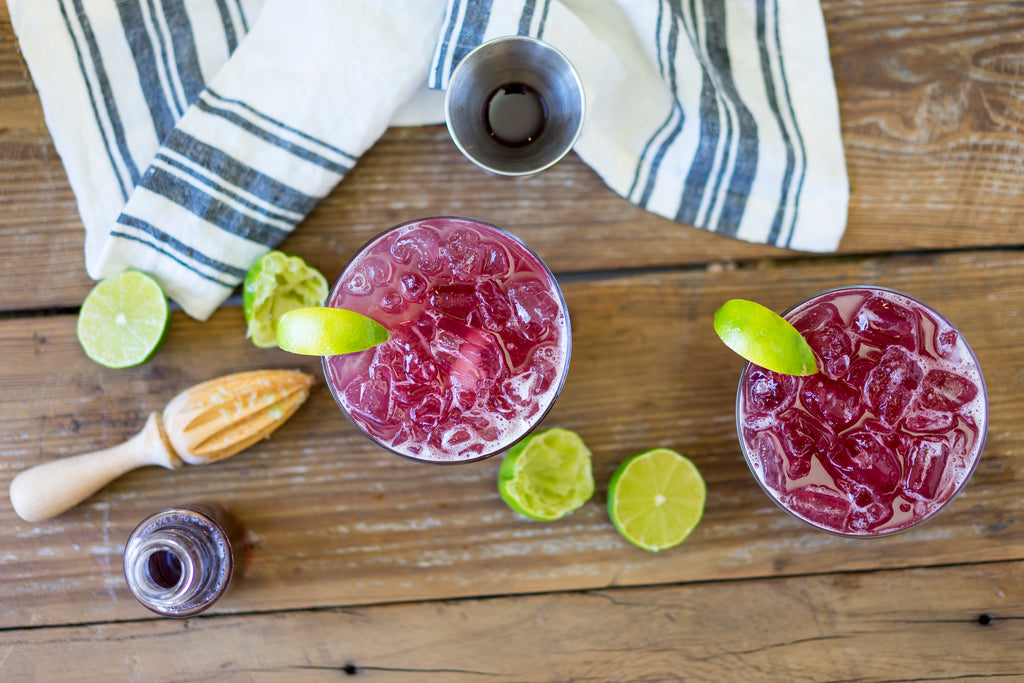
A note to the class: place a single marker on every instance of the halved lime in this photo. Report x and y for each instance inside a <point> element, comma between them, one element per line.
<point>123,320</point>
<point>764,337</point>
<point>275,284</point>
<point>656,498</point>
<point>547,475</point>
<point>320,331</point>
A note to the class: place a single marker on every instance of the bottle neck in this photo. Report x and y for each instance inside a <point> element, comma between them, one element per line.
<point>167,567</point>
<point>178,562</point>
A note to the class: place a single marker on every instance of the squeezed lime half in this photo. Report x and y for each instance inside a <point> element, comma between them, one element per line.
<point>123,320</point>
<point>764,338</point>
<point>547,475</point>
<point>323,331</point>
<point>275,284</point>
<point>656,498</point>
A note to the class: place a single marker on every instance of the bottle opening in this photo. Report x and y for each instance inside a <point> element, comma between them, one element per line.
<point>164,569</point>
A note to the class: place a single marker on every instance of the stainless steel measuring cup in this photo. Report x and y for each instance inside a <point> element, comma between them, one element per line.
<point>515,106</point>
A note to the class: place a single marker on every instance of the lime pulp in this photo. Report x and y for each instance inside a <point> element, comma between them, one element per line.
<point>547,475</point>
<point>275,284</point>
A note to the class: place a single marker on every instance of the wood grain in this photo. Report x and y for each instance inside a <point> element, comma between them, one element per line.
<point>932,104</point>
<point>942,624</point>
<point>932,120</point>
<point>336,521</point>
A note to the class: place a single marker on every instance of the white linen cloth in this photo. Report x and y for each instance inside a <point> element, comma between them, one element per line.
<point>720,114</point>
<point>196,134</point>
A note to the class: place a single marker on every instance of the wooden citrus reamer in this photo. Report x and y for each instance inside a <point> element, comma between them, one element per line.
<point>203,424</point>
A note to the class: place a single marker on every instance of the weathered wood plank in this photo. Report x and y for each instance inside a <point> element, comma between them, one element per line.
<point>338,522</point>
<point>930,103</point>
<point>942,624</point>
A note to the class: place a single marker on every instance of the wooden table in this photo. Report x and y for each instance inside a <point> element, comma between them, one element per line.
<point>369,565</point>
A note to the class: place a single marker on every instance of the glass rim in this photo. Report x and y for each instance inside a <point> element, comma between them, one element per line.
<point>535,419</point>
<point>982,428</point>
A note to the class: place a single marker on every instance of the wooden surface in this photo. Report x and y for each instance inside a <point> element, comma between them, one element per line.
<point>366,564</point>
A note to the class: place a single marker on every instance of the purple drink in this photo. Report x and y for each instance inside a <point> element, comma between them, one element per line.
<point>885,434</point>
<point>479,345</point>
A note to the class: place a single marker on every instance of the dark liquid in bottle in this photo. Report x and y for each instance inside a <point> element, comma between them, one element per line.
<point>165,569</point>
<point>515,115</point>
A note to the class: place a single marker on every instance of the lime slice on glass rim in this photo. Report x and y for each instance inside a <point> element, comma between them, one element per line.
<point>123,320</point>
<point>322,331</point>
<point>547,475</point>
<point>275,284</point>
<point>764,338</point>
<point>656,498</point>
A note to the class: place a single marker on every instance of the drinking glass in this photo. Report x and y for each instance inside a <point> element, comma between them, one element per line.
<point>887,432</point>
<point>479,341</point>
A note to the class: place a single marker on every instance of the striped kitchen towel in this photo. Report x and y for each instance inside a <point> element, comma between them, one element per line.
<point>197,133</point>
<point>716,113</point>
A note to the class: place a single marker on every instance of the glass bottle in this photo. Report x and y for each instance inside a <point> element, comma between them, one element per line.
<point>179,561</point>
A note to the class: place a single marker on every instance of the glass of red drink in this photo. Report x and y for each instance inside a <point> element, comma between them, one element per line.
<point>479,347</point>
<point>887,432</point>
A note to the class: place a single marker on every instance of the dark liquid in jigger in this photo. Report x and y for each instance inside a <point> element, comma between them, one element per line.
<point>515,115</point>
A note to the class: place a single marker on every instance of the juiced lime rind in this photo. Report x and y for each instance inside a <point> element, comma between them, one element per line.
<point>275,284</point>
<point>634,490</point>
<point>547,475</point>
<point>324,331</point>
<point>124,320</point>
<point>764,338</point>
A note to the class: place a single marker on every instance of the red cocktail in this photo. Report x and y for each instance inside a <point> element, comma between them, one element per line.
<point>885,434</point>
<point>479,345</point>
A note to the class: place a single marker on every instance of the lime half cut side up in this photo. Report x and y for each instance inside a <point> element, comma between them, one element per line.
<point>275,284</point>
<point>547,475</point>
<point>123,320</point>
<point>322,331</point>
<point>656,498</point>
<point>764,338</point>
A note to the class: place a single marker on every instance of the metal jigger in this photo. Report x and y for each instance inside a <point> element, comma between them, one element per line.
<point>514,60</point>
